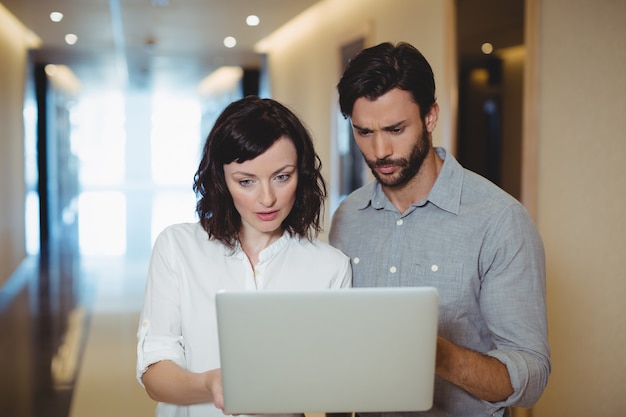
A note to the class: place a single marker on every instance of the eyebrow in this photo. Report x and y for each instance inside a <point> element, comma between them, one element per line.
<point>386,128</point>
<point>249,174</point>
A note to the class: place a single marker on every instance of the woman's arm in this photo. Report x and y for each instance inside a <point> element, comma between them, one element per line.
<point>167,382</point>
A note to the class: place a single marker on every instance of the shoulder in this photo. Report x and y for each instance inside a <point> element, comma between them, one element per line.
<point>182,230</point>
<point>184,235</point>
<point>504,217</point>
<point>355,201</point>
<point>482,196</point>
<point>457,186</point>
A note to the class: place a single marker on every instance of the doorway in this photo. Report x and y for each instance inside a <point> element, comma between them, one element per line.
<point>491,52</point>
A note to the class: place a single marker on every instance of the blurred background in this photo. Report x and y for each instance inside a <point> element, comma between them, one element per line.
<point>104,107</point>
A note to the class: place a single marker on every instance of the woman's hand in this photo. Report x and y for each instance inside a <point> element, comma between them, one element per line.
<point>213,383</point>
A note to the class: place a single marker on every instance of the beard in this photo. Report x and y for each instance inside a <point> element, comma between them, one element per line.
<point>409,166</point>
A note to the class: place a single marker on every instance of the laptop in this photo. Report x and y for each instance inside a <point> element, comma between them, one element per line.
<point>335,350</point>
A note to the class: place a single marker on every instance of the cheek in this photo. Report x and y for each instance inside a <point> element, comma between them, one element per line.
<point>240,199</point>
<point>364,146</point>
<point>288,194</point>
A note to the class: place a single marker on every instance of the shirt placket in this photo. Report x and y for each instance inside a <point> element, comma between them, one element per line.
<point>250,281</point>
<point>394,268</point>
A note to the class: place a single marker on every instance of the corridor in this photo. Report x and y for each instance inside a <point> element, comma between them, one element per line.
<point>68,316</point>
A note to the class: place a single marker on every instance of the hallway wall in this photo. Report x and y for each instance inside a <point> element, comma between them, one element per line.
<point>14,42</point>
<point>581,197</point>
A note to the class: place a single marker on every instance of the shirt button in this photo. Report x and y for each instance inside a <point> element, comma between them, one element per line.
<point>393,269</point>
<point>400,222</point>
<point>434,268</point>
<point>356,260</point>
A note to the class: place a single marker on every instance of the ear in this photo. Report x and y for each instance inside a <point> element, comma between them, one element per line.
<point>431,117</point>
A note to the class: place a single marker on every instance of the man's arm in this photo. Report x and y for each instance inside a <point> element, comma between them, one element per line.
<point>482,376</point>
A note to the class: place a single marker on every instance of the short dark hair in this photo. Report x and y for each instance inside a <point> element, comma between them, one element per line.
<point>377,70</point>
<point>244,130</point>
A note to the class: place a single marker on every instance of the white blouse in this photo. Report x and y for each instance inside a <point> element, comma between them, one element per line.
<point>178,321</point>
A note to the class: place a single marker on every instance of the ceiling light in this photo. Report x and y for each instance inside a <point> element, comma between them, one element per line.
<point>487,48</point>
<point>71,39</point>
<point>50,70</point>
<point>253,20</point>
<point>230,42</point>
<point>56,16</point>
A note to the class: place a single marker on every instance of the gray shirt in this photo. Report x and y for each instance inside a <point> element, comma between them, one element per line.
<point>479,247</point>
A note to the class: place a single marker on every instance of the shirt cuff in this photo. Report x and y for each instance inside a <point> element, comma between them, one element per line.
<point>151,350</point>
<point>518,373</point>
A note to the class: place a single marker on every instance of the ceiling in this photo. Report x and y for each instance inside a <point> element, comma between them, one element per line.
<point>149,44</point>
<point>145,44</point>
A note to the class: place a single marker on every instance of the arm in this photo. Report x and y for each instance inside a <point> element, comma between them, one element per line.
<point>482,376</point>
<point>514,370</point>
<point>167,382</point>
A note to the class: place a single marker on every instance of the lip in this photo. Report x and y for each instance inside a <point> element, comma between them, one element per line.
<point>386,169</point>
<point>267,216</point>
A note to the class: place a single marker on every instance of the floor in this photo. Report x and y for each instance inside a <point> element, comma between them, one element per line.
<point>68,321</point>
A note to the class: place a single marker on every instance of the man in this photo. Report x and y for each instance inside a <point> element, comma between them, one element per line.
<point>426,221</point>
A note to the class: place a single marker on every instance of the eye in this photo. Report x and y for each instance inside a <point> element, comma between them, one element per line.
<point>363,132</point>
<point>396,130</point>
<point>245,182</point>
<point>283,177</point>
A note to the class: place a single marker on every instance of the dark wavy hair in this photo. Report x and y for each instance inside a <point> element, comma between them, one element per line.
<point>244,130</point>
<point>377,70</point>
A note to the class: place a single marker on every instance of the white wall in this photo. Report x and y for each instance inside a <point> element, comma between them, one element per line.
<point>581,203</point>
<point>13,50</point>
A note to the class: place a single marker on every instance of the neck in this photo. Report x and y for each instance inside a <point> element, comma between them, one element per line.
<point>253,243</point>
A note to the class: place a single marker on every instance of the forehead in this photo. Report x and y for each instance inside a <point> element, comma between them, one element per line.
<point>392,107</point>
<point>282,152</point>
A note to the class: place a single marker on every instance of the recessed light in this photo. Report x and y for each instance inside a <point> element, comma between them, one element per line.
<point>487,48</point>
<point>253,20</point>
<point>71,39</point>
<point>230,42</point>
<point>56,16</point>
<point>50,70</point>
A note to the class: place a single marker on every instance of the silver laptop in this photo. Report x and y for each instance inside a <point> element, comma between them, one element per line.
<point>339,350</point>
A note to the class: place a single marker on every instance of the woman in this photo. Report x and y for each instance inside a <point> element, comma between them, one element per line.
<point>260,199</point>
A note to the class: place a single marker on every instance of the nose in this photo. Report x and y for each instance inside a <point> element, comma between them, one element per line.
<point>267,196</point>
<point>382,146</point>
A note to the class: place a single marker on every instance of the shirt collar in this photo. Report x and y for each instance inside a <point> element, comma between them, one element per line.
<point>270,251</point>
<point>445,194</point>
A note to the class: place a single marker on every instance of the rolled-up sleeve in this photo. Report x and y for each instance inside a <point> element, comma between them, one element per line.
<point>159,336</point>
<point>513,300</point>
